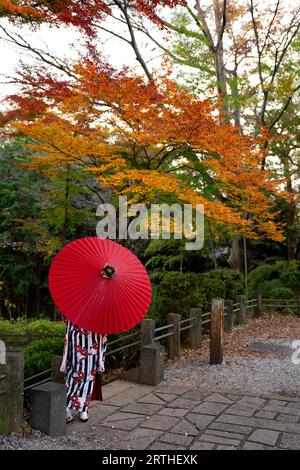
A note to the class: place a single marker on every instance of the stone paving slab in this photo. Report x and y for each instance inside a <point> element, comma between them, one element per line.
<point>140,439</point>
<point>178,412</point>
<point>186,428</point>
<point>141,408</point>
<point>269,348</point>
<point>209,408</point>
<point>183,403</point>
<point>182,418</point>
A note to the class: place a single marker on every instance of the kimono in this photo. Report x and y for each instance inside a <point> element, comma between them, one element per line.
<point>83,358</point>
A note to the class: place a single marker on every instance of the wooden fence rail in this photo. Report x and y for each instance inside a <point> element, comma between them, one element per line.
<point>224,314</point>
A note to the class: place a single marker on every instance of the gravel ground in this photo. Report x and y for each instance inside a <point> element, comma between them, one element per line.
<point>239,374</point>
<point>34,440</point>
<point>257,361</point>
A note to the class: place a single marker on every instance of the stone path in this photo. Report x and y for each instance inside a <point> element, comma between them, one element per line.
<point>181,418</point>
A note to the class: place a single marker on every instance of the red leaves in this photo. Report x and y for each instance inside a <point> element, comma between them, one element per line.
<point>129,132</point>
<point>78,13</point>
<point>82,14</point>
<point>149,7</point>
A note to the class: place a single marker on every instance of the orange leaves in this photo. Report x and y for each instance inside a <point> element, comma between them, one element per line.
<point>56,142</point>
<point>78,13</point>
<point>134,136</point>
<point>23,9</point>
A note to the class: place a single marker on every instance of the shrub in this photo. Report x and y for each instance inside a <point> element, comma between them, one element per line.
<point>16,327</point>
<point>178,292</point>
<point>38,327</point>
<point>281,293</point>
<point>210,287</point>
<point>46,327</point>
<point>291,279</point>
<point>266,287</point>
<point>232,280</point>
<point>39,353</point>
<point>259,276</point>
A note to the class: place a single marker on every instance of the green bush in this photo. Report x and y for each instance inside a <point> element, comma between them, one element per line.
<point>16,327</point>
<point>39,353</point>
<point>209,287</point>
<point>281,293</point>
<point>267,286</point>
<point>178,292</point>
<point>46,327</point>
<point>232,280</point>
<point>36,327</point>
<point>291,279</point>
<point>259,277</point>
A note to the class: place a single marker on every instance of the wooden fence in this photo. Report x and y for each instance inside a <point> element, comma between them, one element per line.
<point>223,316</point>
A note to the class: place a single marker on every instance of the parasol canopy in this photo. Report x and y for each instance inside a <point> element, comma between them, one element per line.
<point>99,285</point>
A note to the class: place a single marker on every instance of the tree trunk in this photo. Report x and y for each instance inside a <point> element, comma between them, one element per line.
<point>291,211</point>
<point>38,289</point>
<point>235,258</point>
<point>65,227</point>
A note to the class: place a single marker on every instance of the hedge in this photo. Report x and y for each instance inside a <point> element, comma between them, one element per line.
<point>39,352</point>
<point>267,277</point>
<point>178,292</point>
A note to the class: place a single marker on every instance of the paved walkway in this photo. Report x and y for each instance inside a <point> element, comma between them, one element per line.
<point>180,418</point>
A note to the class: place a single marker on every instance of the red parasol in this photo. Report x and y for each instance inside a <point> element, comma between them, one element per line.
<point>99,285</point>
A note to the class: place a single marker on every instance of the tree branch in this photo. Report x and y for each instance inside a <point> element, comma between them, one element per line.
<point>284,108</point>
<point>42,55</point>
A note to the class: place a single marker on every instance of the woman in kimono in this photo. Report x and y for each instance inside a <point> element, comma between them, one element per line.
<point>83,358</point>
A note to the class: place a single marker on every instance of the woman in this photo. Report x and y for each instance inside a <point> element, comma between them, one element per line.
<point>83,358</point>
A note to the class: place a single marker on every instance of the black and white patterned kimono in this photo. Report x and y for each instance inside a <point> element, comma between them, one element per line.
<point>83,357</point>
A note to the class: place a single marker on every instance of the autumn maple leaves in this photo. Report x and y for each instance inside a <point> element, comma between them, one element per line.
<point>145,139</point>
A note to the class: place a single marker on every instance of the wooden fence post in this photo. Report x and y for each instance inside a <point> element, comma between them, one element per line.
<point>216,331</point>
<point>173,342</point>
<point>195,333</point>
<point>258,309</point>
<point>241,314</point>
<point>147,331</point>
<point>228,315</point>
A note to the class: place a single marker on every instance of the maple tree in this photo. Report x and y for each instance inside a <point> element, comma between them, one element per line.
<point>82,14</point>
<point>91,127</point>
<point>246,53</point>
<point>244,191</point>
<point>137,137</point>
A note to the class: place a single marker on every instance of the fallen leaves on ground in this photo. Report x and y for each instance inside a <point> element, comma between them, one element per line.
<point>272,326</point>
